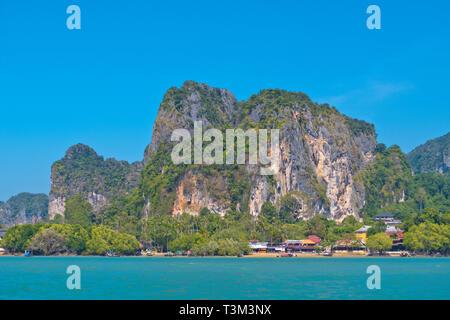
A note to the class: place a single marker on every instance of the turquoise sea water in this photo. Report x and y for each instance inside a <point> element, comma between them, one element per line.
<point>223,278</point>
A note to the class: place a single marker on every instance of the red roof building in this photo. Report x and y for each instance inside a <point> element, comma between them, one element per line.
<point>314,238</point>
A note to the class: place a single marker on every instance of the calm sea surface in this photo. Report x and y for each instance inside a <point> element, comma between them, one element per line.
<point>224,278</point>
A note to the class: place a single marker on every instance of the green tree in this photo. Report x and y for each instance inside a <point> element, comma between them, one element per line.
<point>318,225</point>
<point>47,242</point>
<point>428,237</point>
<point>78,211</point>
<point>123,243</point>
<point>379,242</point>
<point>75,236</point>
<point>17,238</point>
<point>421,196</point>
<point>100,241</point>
<point>378,227</point>
<point>186,242</point>
<point>269,212</point>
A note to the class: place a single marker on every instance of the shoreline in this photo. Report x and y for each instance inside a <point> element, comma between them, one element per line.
<point>250,256</point>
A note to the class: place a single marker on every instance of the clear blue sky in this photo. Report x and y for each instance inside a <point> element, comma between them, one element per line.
<point>102,85</point>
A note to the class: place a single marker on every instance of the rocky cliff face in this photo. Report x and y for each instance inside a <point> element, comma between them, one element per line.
<point>433,156</point>
<point>24,208</point>
<point>181,107</point>
<point>84,172</point>
<point>321,154</point>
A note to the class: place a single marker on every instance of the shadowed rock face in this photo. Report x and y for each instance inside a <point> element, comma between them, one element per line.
<point>181,107</point>
<point>433,156</point>
<point>321,152</point>
<point>24,208</point>
<point>84,172</point>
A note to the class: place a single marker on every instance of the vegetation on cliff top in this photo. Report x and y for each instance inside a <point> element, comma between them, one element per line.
<point>82,171</point>
<point>391,187</point>
<point>24,208</point>
<point>141,199</point>
<point>433,156</point>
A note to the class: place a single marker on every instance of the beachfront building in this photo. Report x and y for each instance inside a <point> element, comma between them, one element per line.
<point>388,219</point>
<point>349,246</point>
<point>275,248</point>
<point>385,217</point>
<point>315,239</point>
<point>394,223</point>
<point>361,233</point>
<point>397,238</point>
<point>258,246</point>
<point>301,246</point>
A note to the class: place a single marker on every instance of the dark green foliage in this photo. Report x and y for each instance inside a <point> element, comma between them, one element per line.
<point>269,212</point>
<point>210,99</point>
<point>159,179</point>
<point>378,227</point>
<point>428,238</point>
<point>17,238</point>
<point>430,157</point>
<point>48,239</point>
<point>379,242</point>
<point>24,208</point>
<point>82,171</point>
<point>78,211</point>
<point>47,242</point>
<point>391,187</point>
<point>358,127</point>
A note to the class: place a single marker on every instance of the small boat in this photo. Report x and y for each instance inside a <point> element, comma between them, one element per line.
<point>327,254</point>
<point>111,254</point>
<point>169,254</point>
<point>27,253</point>
<point>404,254</point>
<point>286,255</point>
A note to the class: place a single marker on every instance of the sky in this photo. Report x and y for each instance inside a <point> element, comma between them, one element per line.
<point>102,85</point>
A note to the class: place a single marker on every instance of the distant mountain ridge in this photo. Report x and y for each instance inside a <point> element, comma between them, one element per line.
<point>24,208</point>
<point>82,171</point>
<point>321,156</point>
<point>331,164</point>
<point>432,156</point>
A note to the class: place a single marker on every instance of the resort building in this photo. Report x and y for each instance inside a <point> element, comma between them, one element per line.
<point>385,217</point>
<point>397,238</point>
<point>258,246</point>
<point>305,245</point>
<point>388,219</point>
<point>275,248</point>
<point>361,233</point>
<point>349,246</point>
<point>315,239</point>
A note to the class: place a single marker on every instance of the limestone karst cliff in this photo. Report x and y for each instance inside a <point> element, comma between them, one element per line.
<point>83,172</point>
<point>432,156</point>
<point>328,163</point>
<point>24,208</point>
<point>321,153</point>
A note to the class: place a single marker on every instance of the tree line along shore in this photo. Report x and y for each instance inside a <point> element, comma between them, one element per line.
<point>209,234</point>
